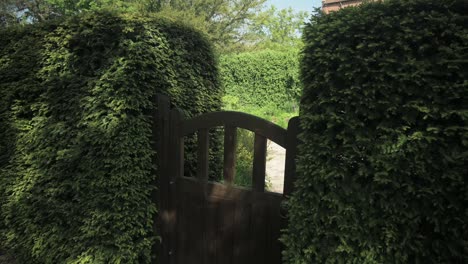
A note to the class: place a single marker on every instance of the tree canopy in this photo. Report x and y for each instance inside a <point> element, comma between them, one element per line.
<point>222,20</point>
<point>232,25</point>
<point>277,28</point>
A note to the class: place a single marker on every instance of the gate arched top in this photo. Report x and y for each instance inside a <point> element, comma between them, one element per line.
<point>252,123</point>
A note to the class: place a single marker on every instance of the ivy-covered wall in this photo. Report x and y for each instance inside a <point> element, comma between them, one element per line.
<point>262,78</point>
<point>76,99</point>
<point>384,162</point>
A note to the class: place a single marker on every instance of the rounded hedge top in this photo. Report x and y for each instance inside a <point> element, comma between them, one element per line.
<point>76,161</point>
<point>384,162</point>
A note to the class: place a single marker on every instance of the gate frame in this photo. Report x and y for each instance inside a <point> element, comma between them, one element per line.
<point>169,128</point>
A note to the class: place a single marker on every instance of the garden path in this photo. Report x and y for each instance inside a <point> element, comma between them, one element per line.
<point>275,166</point>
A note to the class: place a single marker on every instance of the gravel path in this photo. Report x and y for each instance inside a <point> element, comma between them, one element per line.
<point>275,166</point>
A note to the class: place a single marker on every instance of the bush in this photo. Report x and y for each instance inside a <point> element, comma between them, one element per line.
<point>262,78</point>
<point>383,166</point>
<point>76,99</point>
<point>244,152</point>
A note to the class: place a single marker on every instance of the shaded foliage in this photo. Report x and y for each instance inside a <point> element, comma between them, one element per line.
<point>383,164</point>
<point>76,99</point>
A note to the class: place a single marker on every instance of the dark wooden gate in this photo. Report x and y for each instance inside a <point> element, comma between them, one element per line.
<point>206,222</point>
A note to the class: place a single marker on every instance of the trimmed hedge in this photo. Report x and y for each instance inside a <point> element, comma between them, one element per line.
<point>76,98</point>
<point>384,162</point>
<point>262,78</point>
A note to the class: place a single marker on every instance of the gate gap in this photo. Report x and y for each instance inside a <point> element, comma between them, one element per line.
<point>244,165</point>
<point>190,155</point>
<point>275,165</point>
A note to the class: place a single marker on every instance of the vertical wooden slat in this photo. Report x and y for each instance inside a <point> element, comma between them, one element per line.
<point>160,195</point>
<point>202,175</point>
<point>176,170</point>
<point>259,232</point>
<point>269,234</point>
<point>180,253</point>
<point>242,242</point>
<point>259,163</point>
<point>190,248</point>
<point>230,141</point>
<point>203,154</point>
<point>226,227</point>
<point>178,145</point>
<point>249,249</point>
<point>291,153</point>
<point>211,232</point>
<point>276,247</point>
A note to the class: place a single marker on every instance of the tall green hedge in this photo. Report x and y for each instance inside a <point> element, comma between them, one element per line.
<point>262,78</point>
<point>384,162</point>
<point>75,131</point>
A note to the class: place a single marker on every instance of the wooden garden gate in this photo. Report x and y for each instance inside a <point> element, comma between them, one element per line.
<point>202,222</point>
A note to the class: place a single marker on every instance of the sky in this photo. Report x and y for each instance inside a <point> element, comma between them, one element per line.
<point>297,5</point>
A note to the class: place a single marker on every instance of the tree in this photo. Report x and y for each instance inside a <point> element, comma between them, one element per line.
<point>222,20</point>
<point>17,11</point>
<point>232,25</point>
<point>7,16</point>
<point>277,29</point>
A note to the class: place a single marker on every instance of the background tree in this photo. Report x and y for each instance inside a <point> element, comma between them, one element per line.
<point>278,29</point>
<point>224,21</point>
<point>18,11</point>
<point>7,16</point>
<point>232,25</point>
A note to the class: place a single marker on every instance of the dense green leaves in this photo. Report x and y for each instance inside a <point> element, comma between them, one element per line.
<point>76,98</point>
<point>384,162</point>
<point>262,78</point>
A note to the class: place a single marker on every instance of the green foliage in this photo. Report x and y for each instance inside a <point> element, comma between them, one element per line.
<point>76,99</point>
<point>232,25</point>
<point>244,147</point>
<point>30,11</point>
<point>245,138</point>
<point>383,165</point>
<point>269,112</point>
<point>264,84</point>
<point>262,79</point>
<point>244,152</point>
<point>224,21</point>
<point>277,29</point>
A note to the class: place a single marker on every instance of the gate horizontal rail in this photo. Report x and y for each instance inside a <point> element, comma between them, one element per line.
<point>252,123</point>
